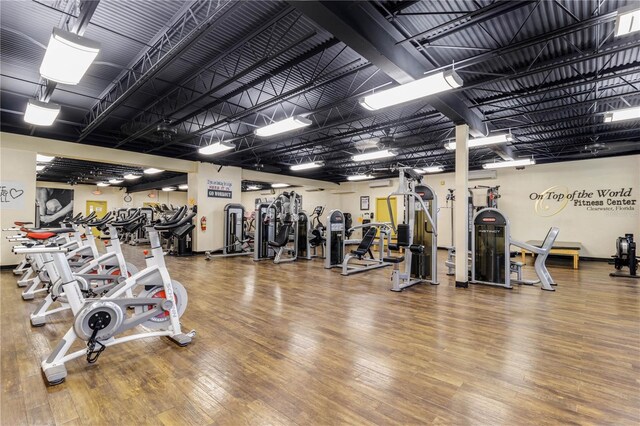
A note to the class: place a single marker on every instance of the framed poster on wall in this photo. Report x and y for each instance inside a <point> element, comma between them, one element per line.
<point>364,202</point>
<point>53,205</point>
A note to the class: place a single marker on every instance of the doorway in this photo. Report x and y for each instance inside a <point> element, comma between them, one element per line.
<point>100,207</point>
<point>382,212</point>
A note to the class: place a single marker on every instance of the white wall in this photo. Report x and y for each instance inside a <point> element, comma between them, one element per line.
<point>212,208</point>
<point>19,167</point>
<point>595,229</point>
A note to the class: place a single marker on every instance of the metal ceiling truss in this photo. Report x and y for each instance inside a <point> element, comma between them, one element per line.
<point>194,24</point>
<point>217,74</point>
<point>223,120</point>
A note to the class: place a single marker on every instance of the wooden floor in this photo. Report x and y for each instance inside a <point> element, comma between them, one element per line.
<point>298,344</point>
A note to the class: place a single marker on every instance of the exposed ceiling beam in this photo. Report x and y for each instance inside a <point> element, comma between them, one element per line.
<point>460,23</point>
<point>361,27</point>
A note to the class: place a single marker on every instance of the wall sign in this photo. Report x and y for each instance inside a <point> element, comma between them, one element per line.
<point>364,202</point>
<point>219,189</point>
<point>553,200</point>
<point>11,195</point>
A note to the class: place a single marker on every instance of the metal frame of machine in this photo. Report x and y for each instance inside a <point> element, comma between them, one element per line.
<point>415,269</point>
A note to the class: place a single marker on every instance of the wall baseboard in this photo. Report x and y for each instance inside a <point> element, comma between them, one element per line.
<point>3,267</point>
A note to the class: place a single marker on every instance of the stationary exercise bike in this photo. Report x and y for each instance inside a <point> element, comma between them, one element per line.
<point>95,279</point>
<point>98,321</point>
<point>625,257</point>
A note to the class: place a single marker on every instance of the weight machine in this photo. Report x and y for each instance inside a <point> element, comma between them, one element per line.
<point>490,256</point>
<point>417,235</point>
<point>278,221</point>
<point>335,238</point>
<point>236,242</point>
<point>490,200</point>
<point>370,231</point>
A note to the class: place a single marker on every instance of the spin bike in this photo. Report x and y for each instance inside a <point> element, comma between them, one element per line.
<point>98,321</point>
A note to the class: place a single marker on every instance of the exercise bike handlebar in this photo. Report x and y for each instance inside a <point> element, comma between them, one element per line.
<point>176,216</point>
<point>86,219</point>
<point>106,218</point>
<point>129,220</point>
<point>182,221</point>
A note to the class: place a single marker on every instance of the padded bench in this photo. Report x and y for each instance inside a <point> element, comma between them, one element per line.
<point>562,248</point>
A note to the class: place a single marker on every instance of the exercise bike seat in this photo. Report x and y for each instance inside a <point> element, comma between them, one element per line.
<point>40,235</point>
<point>393,259</point>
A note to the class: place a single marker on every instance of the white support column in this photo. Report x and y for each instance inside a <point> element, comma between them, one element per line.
<point>461,219</point>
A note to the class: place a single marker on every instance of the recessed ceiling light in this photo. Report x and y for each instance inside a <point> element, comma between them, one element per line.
<point>628,21</point>
<point>306,166</point>
<point>279,185</point>
<point>433,169</point>
<point>41,113</point>
<point>169,188</point>
<point>622,114</point>
<point>152,171</point>
<point>512,163</point>
<point>426,86</point>
<point>103,184</point>
<point>68,57</point>
<point>286,125</point>
<point>253,187</point>
<point>40,167</point>
<point>115,181</point>
<point>373,155</point>
<point>359,177</point>
<point>131,176</point>
<point>216,148</point>
<point>489,140</point>
<point>183,187</point>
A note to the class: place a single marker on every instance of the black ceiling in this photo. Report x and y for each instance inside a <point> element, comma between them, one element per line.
<point>216,70</point>
<point>74,172</point>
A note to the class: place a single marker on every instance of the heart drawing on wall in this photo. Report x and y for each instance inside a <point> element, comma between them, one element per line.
<point>15,193</point>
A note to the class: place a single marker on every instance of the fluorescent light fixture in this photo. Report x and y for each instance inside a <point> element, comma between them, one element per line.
<point>512,163</point>
<point>622,114</point>
<point>68,57</point>
<point>41,113</point>
<point>216,148</point>
<point>131,176</point>
<point>253,187</point>
<point>43,158</point>
<point>279,185</point>
<point>169,188</point>
<point>433,169</point>
<point>373,155</point>
<point>40,167</point>
<point>359,177</point>
<point>103,184</point>
<point>115,181</point>
<point>426,86</point>
<point>490,140</point>
<point>286,125</point>
<point>419,171</point>
<point>183,187</point>
<point>152,171</point>
<point>628,21</point>
<point>305,166</point>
